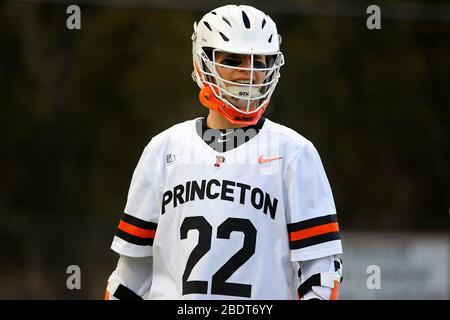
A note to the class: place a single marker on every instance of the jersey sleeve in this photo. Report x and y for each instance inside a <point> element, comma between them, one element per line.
<point>311,214</point>
<point>137,228</point>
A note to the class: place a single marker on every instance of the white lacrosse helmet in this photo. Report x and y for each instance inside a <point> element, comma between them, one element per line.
<point>241,30</point>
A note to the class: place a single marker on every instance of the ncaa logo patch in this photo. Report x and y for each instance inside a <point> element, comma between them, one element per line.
<point>170,158</point>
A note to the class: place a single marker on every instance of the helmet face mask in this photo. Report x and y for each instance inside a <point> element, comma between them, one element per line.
<point>238,34</point>
<point>253,87</point>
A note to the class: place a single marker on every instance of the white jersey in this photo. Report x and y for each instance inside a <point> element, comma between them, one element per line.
<point>228,225</point>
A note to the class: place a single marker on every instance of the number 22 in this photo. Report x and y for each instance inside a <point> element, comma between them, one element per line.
<point>218,281</point>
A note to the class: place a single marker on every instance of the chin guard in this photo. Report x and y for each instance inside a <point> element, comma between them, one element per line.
<point>210,101</point>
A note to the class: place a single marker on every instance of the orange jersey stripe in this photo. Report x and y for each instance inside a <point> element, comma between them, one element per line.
<point>136,231</point>
<point>314,231</point>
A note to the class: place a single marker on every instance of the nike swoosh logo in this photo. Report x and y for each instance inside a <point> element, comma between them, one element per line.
<point>262,160</point>
<point>221,140</point>
<point>226,133</point>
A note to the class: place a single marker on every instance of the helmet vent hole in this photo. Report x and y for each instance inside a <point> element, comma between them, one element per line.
<point>224,19</point>
<point>224,37</point>
<point>270,38</point>
<point>246,20</point>
<point>214,13</point>
<point>207,25</point>
<point>263,23</point>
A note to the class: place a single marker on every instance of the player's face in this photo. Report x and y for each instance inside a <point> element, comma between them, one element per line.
<point>237,75</point>
<point>242,61</point>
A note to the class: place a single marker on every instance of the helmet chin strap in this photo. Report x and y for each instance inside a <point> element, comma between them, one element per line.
<point>244,92</point>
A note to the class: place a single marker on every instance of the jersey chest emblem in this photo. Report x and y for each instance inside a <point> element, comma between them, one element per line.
<point>219,161</point>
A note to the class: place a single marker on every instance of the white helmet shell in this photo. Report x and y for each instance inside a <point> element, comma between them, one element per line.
<point>238,29</point>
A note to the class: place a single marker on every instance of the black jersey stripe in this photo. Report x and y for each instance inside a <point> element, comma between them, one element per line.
<point>134,239</point>
<point>310,223</point>
<point>138,222</point>
<point>124,293</point>
<point>300,244</point>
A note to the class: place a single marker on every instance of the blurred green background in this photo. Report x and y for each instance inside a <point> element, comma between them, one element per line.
<point>78,107</point>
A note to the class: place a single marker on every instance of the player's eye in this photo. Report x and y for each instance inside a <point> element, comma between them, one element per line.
<point>257,64</point>
<point>231,62</point>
